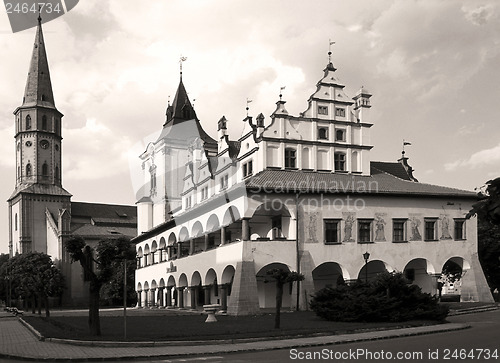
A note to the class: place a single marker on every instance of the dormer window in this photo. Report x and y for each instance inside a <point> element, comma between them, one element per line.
<point>339,161</point>
<point>290,158</point>
<point>339,111</point>
<point>322,110</point>
<point>322,133</point>
<point>339,135</point>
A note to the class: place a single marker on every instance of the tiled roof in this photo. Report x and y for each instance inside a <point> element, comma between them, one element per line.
<point>395,168</point>
<point>98,232</point>
<point>378,183</point>
<point>42,189</point>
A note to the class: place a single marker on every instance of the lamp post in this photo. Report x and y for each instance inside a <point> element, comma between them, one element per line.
<point>366,256</point>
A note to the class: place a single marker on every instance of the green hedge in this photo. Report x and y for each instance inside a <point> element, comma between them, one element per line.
<point>389,297</point>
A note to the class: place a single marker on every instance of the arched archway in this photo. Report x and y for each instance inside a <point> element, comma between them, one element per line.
<point>145,301</point>
<point>211,287</point>
<point>154,249</point>
<point>227,279</point>
<point>183,234</point>
<point>271,220</point>
<point>196,291</point>
<point>147,258</point>
<point>329,274</point>
<point>140,255</point>
<point>212,223</point>
<point>372,269</point>
<point>451,276</point>
<point>421,273</point>
<point>163,250</point>
<point>266,287</point>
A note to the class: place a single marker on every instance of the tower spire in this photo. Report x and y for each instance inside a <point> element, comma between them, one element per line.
<point>38,91</point>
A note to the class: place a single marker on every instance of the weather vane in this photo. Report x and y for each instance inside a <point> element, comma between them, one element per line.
<point>182,59</point>
<point>281,91</point>
<point>404,144</point>
<point>248,102</point>
<point>330,43</point>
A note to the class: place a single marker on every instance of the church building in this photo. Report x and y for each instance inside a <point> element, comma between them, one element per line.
<point>300,193</point>
<point>41,214</point>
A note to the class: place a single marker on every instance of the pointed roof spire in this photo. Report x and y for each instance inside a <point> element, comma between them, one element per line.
<point>38,91</point>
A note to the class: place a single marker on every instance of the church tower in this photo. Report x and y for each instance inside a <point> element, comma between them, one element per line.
<point>38,195</point>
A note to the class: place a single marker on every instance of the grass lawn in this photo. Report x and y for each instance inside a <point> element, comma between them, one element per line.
<point>164,326</point>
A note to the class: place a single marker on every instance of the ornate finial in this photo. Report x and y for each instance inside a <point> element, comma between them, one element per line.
<point>281,91</point>
<point>330,43</point>
<point>404,144</point>
<point>168,100</point>
<point>181,59</point>
<point>39,15</point>
<point>248,102</point>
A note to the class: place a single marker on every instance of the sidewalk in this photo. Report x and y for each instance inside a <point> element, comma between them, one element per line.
<point>17,341</point>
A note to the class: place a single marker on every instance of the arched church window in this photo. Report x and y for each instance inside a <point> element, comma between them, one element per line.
<point>28,122</point>
<point>44,122</point>
<point>45,169</point>
<point>28,170</point>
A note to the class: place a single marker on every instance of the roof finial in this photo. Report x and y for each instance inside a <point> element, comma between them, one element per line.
<point>181,59</point>
<point>39,15</point>
<point>281,91</point>
<point>168,100</point>
<point>248,102</point>
<point>330,43</point>
<point>404,144</point>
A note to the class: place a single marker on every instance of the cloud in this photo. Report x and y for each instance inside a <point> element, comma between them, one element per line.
<point>483,158</point>
<point>470,129</point>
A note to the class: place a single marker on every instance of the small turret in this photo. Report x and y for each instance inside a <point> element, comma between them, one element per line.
<point>222,127</point>
<point>362,104</point>
<point>260,124</point>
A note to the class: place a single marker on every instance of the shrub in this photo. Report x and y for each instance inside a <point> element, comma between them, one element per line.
<point>389,297</point>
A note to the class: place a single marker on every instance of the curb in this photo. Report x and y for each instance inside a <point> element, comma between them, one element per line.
<point>473,310</point>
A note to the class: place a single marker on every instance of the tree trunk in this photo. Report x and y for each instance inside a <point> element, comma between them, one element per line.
<point>47,312</point>
<point>39,304</point>
<point>279,299</point>
<point>94,322</point>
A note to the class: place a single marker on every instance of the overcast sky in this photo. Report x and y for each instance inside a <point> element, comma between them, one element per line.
<point>432,67</point>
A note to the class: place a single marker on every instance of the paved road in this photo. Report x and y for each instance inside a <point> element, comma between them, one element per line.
<point>484,334</point>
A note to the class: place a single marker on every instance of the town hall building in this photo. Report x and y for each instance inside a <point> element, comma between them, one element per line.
<point>300,193</point>
<point>41,214</point>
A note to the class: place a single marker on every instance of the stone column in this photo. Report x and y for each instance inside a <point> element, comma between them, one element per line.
<point>146,293</point>
<point>179,249</point>
<point>207,238</point>
<point>180,297</point>
<point>169,296</point>
<point>153,297</point>
<point>160,297</point>
<point>161,254</point>
<point>223,236</point>
<point>145,260</point>
<point>191,246</point>
<point>192,292</point>
<point>139,299</point>
<point>223,292</point>
<point>245,229</point>
<point>207,290</point>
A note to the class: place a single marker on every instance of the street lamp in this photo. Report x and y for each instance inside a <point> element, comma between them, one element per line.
<point>366,256</point>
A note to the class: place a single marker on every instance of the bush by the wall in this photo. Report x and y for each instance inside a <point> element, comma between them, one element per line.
<point>389,297</point>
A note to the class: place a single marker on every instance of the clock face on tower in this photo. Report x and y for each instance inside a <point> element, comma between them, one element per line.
<point>44,144</point>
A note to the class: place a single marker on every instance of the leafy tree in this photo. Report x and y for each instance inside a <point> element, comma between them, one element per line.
<point>112,291</point>
<point>489,252</point>
<point>389,297</point>
<point>34,275</point>
<point>282,277</point>
<point>99,265</point>
<point>488,206</point>
<point>4,283</point>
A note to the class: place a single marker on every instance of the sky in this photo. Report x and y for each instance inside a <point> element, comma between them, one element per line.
<point>432,67</point>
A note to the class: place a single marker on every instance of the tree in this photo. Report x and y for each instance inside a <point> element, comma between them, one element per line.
<point>488,237</point>
<point>112,291</point>
<point>99,266</point>
<point>34,276</point>
<point>282,277</point>
<point>4,283</point>
<point>488,206</point>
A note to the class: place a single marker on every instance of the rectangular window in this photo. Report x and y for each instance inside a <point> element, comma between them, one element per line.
<point>460,229</point>
<point>188,202</point>
<point>322,133</point>
<point>399,230</point>
<point>430,229</point>
<point>322,110</point>
<point>339,159</point>
<point>290,158</point>
<point>365,230</point>
<point>339,135</point>
<point>332,231</point>
<point>204,193</point>
<point>224,182</point>
<point>339,112</point>
<point>248,169</point>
